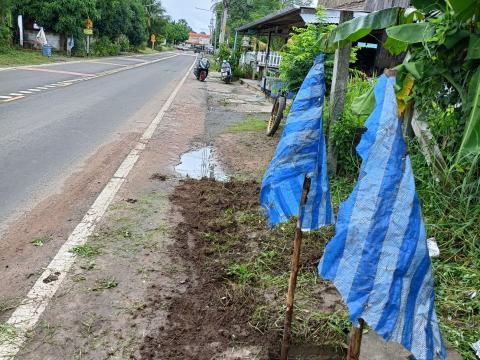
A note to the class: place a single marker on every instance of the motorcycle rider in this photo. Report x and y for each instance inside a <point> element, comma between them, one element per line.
<point>203,64</point>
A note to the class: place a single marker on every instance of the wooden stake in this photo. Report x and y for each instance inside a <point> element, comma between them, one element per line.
<point>292,284</point>
<point>355,341</point>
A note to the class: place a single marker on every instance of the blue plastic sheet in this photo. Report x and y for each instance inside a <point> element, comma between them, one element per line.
<point>301,152</point>
<point>378,259</point>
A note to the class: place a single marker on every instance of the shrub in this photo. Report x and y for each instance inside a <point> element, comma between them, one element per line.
<point>104,47</point>
<point>347,130</point>
<point>5,37</point>
<point>123,42</point>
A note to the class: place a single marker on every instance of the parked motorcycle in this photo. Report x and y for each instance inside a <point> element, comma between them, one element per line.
<point>201,69</point>
<point>226,72</point>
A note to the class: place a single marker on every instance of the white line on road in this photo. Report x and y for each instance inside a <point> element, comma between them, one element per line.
<point>5,97</point>
<point>27,314</point>
<point>65,83</point>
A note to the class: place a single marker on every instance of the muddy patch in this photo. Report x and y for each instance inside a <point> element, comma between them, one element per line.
<point>236,278</point>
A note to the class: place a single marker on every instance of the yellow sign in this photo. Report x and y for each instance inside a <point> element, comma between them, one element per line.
<point>153,38</point>
<point>88,31</point>
<point>89,23</point>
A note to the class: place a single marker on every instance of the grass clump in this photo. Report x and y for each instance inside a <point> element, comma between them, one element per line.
<point>248,125</point>
<point>105,284</point>
<point>86,251</point>
<point>40,241</point>
<point>7,333</point>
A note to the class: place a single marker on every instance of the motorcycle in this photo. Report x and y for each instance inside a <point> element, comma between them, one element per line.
<point>201,69</point>
<point>226,72</point>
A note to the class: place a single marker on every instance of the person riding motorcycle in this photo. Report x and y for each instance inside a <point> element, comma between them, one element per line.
<point>201,68</point>
<point>226,72</point>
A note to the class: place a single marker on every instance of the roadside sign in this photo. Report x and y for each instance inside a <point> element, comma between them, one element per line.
<point>153,39</point>
<point>88,31</point>
<point>89,23</point>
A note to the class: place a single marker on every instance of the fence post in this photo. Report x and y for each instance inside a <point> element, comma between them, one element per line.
<point>338,91</point>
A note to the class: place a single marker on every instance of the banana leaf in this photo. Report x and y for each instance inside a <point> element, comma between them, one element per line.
<point>364,104</point>
<point>429,5</point>
<point>357,28</point>
<point>412,33</point>
<point>471,137</point>
<point>473,47</point>
<point>463,9</point>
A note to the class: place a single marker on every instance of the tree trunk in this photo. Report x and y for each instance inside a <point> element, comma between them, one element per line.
<point>338,92</point>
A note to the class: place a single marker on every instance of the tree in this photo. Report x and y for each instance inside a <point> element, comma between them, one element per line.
<point>126,17</point>
<point>62,16</point>
<point>177,31</point>
<point>5,23</point>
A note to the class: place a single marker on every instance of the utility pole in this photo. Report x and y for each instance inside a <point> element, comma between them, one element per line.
<point>224,22</point>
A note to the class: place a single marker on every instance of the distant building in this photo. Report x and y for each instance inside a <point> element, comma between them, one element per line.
<point>198,39</point>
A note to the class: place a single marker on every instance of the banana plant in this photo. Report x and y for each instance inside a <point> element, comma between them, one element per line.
<point>438,30</point>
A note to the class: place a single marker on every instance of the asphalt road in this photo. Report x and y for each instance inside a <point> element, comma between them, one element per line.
<point>52,118</point>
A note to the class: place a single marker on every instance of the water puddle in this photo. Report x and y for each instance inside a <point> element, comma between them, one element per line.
<point>201,163</point>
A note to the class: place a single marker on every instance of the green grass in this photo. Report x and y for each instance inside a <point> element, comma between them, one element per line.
<point>105,284</point>
<point>148,51</point>
<point>7,333</point>
<point>16,57</point>
<point>86,251</point>
<point>247,125</point>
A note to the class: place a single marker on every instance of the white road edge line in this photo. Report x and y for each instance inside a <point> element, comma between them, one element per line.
<point>27,314</point>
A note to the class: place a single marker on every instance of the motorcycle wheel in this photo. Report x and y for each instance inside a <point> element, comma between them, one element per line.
<point>277,115</point>
<point>202,76</point>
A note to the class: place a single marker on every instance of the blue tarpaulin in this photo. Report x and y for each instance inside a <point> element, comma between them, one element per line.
<point>378,258</point>
<point>301,152</point>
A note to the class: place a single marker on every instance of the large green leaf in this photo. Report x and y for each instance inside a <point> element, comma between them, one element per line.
<point>357,28</point>
<point>463,9</point>
<point>364,104</point>
<point>395,47</point>
<point>429,5</point>
<point>471,136</point>
<point>473,47</point>
<point>453,39</point>
<point>412,33</point>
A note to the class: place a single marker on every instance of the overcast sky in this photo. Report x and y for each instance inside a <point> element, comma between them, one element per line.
<point>186,9</point>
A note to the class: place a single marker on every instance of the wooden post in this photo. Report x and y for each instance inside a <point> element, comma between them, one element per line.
<point>292,284</point>
<point>338,92</point>
<point>355,341</point>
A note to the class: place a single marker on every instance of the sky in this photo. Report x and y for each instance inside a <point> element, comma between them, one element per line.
<point>199,20</point>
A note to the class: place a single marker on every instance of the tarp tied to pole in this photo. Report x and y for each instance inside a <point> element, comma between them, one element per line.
<point>378,259</point>
<point>301,152</point>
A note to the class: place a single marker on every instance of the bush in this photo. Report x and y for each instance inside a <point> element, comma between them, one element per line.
<point>104,47</point>
<point>347,130</point>
<point>243,71</point>
<point>5,37</point>
<point>123,42</point>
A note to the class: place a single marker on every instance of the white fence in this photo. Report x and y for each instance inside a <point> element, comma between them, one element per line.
<point>274,59</point>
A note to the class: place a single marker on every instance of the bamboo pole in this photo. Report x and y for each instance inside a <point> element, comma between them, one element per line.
<point>292,284</point>
<point>355,341</point>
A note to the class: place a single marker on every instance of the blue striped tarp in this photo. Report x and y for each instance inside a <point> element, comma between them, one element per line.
<point>301,152</point>
<point>378,258</point>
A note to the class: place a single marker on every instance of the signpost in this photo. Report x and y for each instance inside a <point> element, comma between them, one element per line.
<point>153,40</point>
<point>88,31</point>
